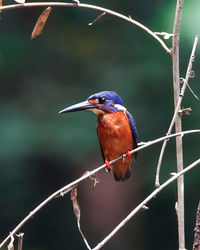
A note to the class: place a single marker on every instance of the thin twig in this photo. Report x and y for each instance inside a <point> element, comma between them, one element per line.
<point>178,106</point>
<point>11,245</point>
<point>97,18</point>
<point>192,92</point>
<point>144,202</point>
<point>70,186</point>
<point>89,6</point>
<point>20,240</point>
<point>164,34</point>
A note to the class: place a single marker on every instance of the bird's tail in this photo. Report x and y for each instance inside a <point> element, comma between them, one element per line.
<point>120,176</point>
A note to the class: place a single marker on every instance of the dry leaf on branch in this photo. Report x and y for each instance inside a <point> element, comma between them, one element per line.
<point>76,206</point>
<point>77,212</point>
<point>20,1</point>
<point>41,22</point>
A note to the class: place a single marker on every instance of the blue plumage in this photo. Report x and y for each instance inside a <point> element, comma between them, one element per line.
<point>114,98</point>
<point>110,95</point>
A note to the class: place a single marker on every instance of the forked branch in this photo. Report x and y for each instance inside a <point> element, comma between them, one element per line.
<point>69,187</point>
<point>178,107</point>
<point>145,201</point>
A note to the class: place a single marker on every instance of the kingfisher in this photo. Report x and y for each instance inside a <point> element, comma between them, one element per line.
<point>116,130</point>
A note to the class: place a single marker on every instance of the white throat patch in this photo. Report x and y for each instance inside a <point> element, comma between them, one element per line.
<point>120,107</point>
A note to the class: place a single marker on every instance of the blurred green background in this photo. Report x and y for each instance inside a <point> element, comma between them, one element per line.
<point>40,151</point>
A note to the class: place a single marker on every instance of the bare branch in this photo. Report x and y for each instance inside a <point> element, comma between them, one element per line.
<point>185,81</point>
<point>94,7</point>
<point>178,124</point>
<point>70,186</point>
<point>145,201</point>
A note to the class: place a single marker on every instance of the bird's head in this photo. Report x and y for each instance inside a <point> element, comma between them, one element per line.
<point>99,103</point>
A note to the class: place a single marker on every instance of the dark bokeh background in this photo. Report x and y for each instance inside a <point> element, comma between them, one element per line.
<point>40,151</point>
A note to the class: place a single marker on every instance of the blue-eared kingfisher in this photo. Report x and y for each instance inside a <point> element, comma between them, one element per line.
<point>115,128</point>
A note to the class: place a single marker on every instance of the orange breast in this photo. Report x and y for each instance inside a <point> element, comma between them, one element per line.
<point>115,137</point>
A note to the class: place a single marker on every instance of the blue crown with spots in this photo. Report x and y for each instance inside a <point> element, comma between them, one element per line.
<point>110,95</point>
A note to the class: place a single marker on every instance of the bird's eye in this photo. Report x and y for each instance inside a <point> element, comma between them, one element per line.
<point>102,100</point>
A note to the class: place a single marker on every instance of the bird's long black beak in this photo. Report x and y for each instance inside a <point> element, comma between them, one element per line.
<point>78,107</point>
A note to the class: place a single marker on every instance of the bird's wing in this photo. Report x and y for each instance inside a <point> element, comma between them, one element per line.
<point>102,150</point>
<point>133,130</point>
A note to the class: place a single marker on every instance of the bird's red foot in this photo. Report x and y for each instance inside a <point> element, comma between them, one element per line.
<point>128,154</point>
<point>107,165</point>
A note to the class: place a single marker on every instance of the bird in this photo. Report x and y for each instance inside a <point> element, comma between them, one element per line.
<point>116,130</point>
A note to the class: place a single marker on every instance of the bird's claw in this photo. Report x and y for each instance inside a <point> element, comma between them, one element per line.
<point>108,167</point>
<point>128,154</point>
